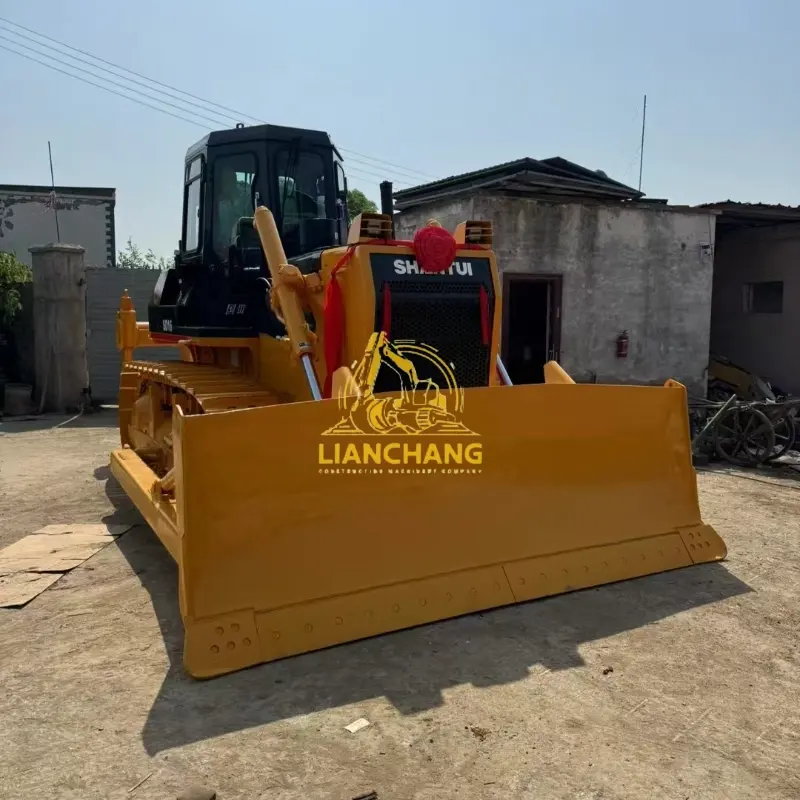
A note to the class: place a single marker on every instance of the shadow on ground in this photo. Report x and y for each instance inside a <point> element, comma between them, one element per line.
<point>786,471</point>
<point>410,668</point>
<point>102,417</point>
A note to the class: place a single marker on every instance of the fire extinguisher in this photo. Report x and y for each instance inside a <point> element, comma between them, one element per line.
<point>622,345</point>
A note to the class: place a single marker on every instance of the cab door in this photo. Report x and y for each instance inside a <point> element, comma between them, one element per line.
<point>237,182</point>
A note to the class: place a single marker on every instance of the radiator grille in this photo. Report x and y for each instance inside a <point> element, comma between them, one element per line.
<point>446,316</point>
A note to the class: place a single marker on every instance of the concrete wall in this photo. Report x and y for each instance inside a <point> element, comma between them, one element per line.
<point>104,288</point>
<point>85,216</point>
<point>448,214</point>
<point>102,293</point>
<point>637,269</point>
<point>767,344</point>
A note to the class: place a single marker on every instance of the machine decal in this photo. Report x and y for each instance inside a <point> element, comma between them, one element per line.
<point>408,266</point>
<point>427,402</point>
<point>388,267</point>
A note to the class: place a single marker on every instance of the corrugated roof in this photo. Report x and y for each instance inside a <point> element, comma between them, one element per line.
<point>736,214</point>
<point>527,176</point>
<point>735,204</point>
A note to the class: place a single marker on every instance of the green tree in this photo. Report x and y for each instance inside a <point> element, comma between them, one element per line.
<point>133,258</point>
<point>13,273</point>
<point>357,202</point>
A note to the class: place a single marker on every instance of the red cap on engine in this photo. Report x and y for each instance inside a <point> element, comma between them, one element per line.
<point>435,248</point>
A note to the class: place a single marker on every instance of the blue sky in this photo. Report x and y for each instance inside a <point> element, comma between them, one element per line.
<point>435,87</point>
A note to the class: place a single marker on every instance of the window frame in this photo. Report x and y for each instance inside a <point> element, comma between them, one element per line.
<point>189,181</point>
<point>748,297</point>
<point>218,158</point>
<point>285,151</point>
<point>341,190</point>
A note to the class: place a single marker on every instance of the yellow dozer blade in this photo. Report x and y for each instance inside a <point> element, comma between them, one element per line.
<point>294,530</point>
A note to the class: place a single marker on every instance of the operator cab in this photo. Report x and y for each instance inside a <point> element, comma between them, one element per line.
<point>217,286</point>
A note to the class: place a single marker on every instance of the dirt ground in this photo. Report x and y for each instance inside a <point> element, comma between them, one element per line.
<point>681,685</point>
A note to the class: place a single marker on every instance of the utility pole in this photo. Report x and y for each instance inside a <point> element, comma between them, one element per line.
<point>53,195</point>
<point>641,148</point>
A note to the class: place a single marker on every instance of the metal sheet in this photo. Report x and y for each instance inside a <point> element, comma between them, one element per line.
<point>104,287</point>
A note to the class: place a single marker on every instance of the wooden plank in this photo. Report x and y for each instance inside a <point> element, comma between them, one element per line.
<point>100,529</point>
<point>29,566</point>
<point>19,589</point>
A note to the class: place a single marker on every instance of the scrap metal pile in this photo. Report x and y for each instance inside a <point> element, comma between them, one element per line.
<point>744,420</point>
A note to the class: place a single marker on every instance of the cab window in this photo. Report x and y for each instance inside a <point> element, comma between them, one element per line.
<point>301,187</point>
<point>191,218</point>
<point>234,176</point>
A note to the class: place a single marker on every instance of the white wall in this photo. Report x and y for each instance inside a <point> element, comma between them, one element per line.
<point>83,219</point>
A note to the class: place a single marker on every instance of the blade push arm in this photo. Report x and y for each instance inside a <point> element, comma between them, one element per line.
<point>288,301</point>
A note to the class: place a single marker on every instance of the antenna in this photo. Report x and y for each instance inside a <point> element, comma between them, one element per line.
<point>641,148</point>
<point>53,193</point>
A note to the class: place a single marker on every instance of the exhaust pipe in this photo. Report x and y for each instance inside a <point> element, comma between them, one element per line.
<point>387,201</point>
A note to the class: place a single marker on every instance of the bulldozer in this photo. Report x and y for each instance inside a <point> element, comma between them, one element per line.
<point>339,452</point>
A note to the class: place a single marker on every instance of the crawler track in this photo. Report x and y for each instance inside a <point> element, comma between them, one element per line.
<point>205,388</point>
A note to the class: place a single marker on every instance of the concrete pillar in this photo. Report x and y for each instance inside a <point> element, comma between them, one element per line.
<point>59,326</point>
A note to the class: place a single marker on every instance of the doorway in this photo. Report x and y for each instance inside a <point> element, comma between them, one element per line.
<point>531,324</point>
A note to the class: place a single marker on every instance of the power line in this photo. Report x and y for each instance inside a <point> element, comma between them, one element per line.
<point>355,171</point>
<point>389,163</point>
<point>238,114</point>
<point>373,176</point>
<point>118,67</point>
<point>100,86</point>
<point>403,174</point>
<point>108,80</point>
<point>97,67</point>
<point>378,175</point>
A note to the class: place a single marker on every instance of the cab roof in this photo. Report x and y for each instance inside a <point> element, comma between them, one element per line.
<point>250,133</point>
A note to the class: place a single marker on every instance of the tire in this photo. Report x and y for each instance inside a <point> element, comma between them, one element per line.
<point>744,436</point>
<point>785,436</point>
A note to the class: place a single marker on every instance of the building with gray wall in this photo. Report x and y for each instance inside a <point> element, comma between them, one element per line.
<point>755,310</point>
<point>584,259</point>
<point>85,215</point>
